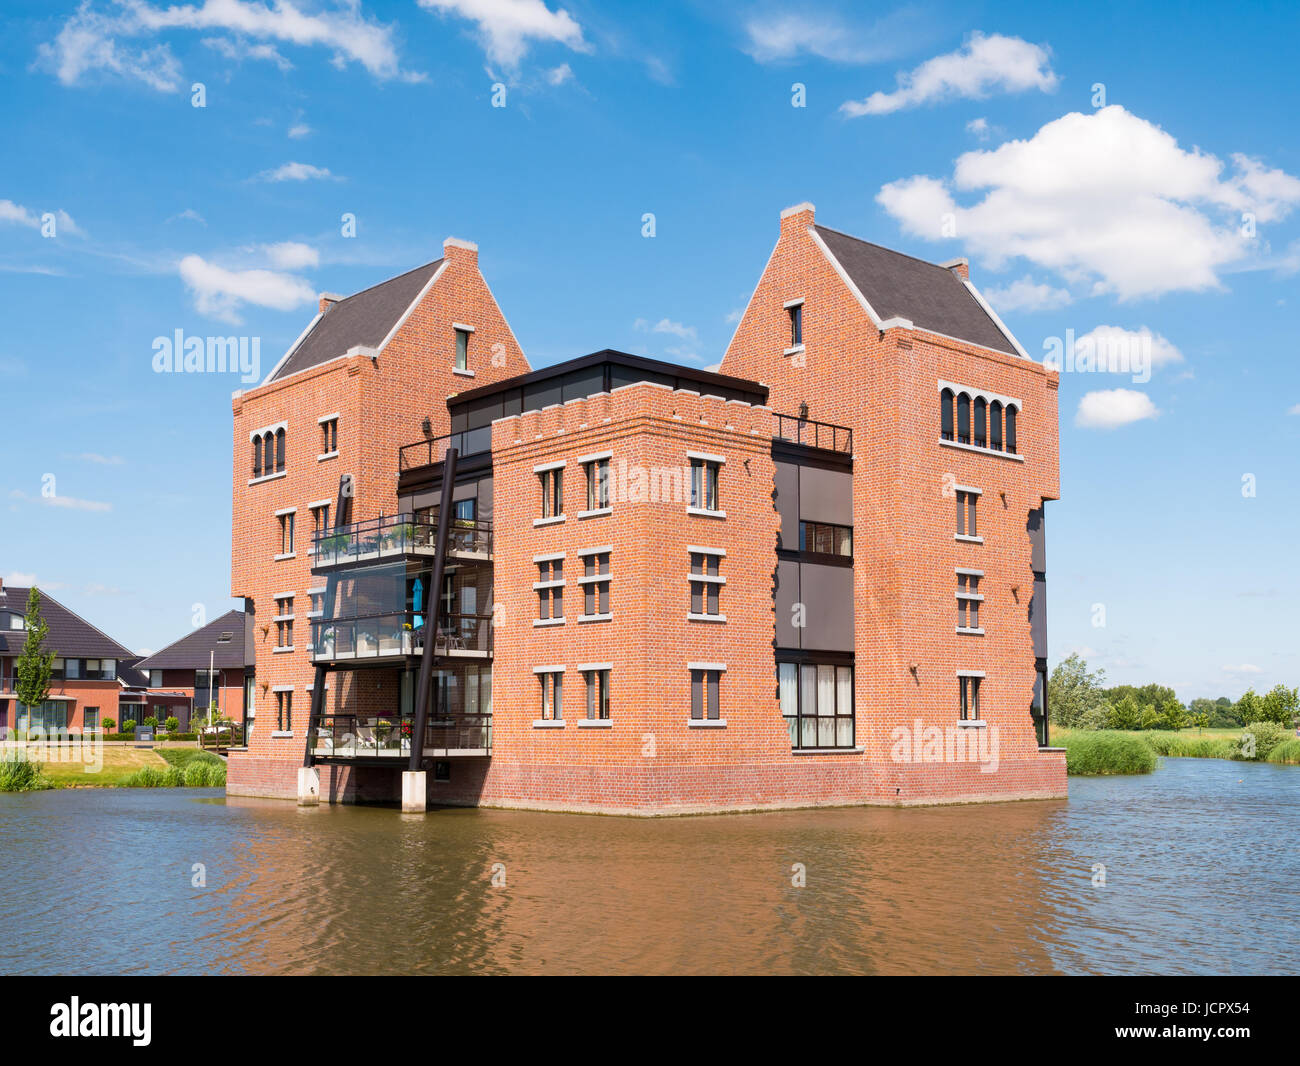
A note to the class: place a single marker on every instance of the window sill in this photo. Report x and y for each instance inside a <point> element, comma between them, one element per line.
<point>967,538</point>
<point>705,513</point>
<point>794,350</point>
<point>972,723</point>
<point>282,732</point>
<point>595,723</point>
<point>827,751</point>
<point>548,723</point>
<point>972,631</point>
<point>539,622</point>
<point>981,451</point>
<point>707,723</point>
<point>326,455</point>
<point>691,617</point>
<point>548,521</point>
<point>281,651</point>
<point>286,555</point>
<point>267,477</point>
<point>595,617</point>
<point>462,371</point>
<point>596,512</point>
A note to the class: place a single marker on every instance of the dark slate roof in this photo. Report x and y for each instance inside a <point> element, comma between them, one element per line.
<point>364,318</point>
<point>70,636</point>
<point>191,652</point>
<point>129,675</point>
<point>901,286</point>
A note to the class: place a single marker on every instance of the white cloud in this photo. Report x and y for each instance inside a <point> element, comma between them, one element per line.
<point>1243,668</point>
<point>291,255</point>
<point>71,503</point>
<point>559,75</point>
<point>20,579</point>
<point>25,216</point>
<point>1027,295</point>
<point>220,292</point>
<point>189,215</point>
<point>299,130</point>
<point>507,28</point>
<point>775,37</point>
<point>979,127</point>
<point>103,460</point>
<point>1119,349</point>
<point>238,49</point>
<point>666,325</point>
<point>297,172</point>
<point>1112,408</point>
<point>1106,198</point>
<point>91,41</point>
<point>1294,410</point>
<point>981,67</point>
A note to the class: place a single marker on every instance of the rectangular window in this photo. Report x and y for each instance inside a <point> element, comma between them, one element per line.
<point>706,583</point>
<point>72,669</point>
<point>317,608</point>
<point>90,719</point>
<point>704,484</point>
<point>597,484</point>
<point>817,704</point>
<point>550,589</point>
<point>705,704</point>
<point>329,436</point>
<point>155,679</point>
<point>551,684</point>
<point>462,349</point>
<point>284,712</point>
<point>597,694</point>
<point>796,325</point>
<point>286,533</point>
<point>968,707</point>
<point>825,539</point>
<point>966,500</point>
<point>284,622</point>
<point>320,520</point>
<point>968,601</point>
<point>552,492</point>
<point>595,584</point>
<point>17,621</point>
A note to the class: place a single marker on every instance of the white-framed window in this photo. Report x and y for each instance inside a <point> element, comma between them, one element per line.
<point>706,583</point>
<point>329,435</point>
<point>597,680</point>
<point>967,499</point>
<point>817,704</point>
<point>969,600</point>
<point>551,693</point>
<point>286,524</point>
<point>283,622</point>
<point>462,348</point>
<point>595,583</point>
<point>552,485</point>
<point>284,711</point>
<point>597,475</point>
<point>706,472</point>
<point>706,685</point>
<point>320,519</point>
<point>968,697</point>
<point>795,311</point>
<point>550,588</point>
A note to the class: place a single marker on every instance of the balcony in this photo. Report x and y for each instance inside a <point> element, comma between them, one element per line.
<point>434,450</point>
<point>824,435</point>
<point>397,537</point>
<point>388,736</point>
<point>396,636</point>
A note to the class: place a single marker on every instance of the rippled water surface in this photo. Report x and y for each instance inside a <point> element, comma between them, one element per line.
<point>1201,869</point>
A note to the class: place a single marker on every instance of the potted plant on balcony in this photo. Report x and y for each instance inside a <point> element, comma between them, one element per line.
<point>406,734</point>
<point>325,646</point>
<point>406,638</point>
<point>366,642</point>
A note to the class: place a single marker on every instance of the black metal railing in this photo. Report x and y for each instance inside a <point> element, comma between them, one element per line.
<point>813,434</point>
<point>434,450</point>
<point>397,634</point>
<point>352,736</point>
<point>395,536</point>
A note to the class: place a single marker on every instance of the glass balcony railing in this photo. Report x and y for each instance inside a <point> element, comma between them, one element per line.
<point>399,634</point>
<point>353,736</point>
<point>395,537</point>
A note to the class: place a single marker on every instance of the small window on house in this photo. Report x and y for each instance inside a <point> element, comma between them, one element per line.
<point>268,453</point>
<point>704,484</point>
<point>705,703</point>
<point>283,622</point>
<point>597,472</point>
<point>17,621</point>
<point>966,500</point>
<point>286,533</point>
<point>945,415</point>
<point>279,450</point>
<point>257,456</point>
<point>968,698</point>
<point>550,589</point>
<point>329,436</point>
<point>796,325</point>
<point>462,349</point>
<point>963,419</point>
<point>1012,414</point>
<point>995,425</point>
<point>90,719</point>
<point>595,585</point>
<point>825,539</point>
<point>981,422</point>
<point>706,584</point>
<point>968,601</point>
<point>155,679</point>
<point>552,492</point>
<point>597,694</point>
<point>551,683</point>
<point>284,712</point>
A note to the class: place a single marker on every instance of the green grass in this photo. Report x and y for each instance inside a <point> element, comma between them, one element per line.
<point>1287,752</point>
<point>1090,753</point>
<point>183,757</point>
<point>125,767</point>
<point>22,775</point>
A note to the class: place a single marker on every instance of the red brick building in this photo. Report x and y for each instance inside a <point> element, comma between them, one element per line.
<point>620,585</point>
<point>211,665</point>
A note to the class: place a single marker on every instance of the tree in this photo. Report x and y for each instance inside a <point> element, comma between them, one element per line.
<point>1074,696</point>
<point>172,724</point>
<point>108,724</point>
<point>35,665</point>
<point>1174,713</point>
<point>1279,705</point>
<point>1126,714</point>
<point>1249,708</point>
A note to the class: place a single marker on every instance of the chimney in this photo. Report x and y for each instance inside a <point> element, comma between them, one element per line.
<point>799,217</point>
<point>960,267</point>
<point>458,251</point>
<point>328,300</point>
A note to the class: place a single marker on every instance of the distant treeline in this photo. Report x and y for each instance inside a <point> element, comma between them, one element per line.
<point>1077,699</point>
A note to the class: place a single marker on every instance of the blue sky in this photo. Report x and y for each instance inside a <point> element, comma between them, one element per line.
<point>1173,209</point>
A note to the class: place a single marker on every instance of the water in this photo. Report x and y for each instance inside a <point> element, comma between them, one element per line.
<point>1201,877</point>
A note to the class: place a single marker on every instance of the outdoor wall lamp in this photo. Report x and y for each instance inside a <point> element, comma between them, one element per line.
<point>803,411</point>
<point>427,427</point>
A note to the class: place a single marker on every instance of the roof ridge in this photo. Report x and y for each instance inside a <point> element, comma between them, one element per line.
<point>884,248</point>
<point>80,619</point>
<point>395,277</point>
<point>187,636</point>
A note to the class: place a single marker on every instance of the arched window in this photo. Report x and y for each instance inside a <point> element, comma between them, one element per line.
<point>1011,429</point>
<point>257,457</point>
<point>995,425</point>
<point>981,422</point>
<point>268,453</point>
<point>945,414</point>
<point>963,418</point>
<point>279,450</point>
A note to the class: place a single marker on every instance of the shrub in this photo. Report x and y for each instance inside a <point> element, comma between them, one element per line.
<point>1164,743</point>
<point>22,775</point>
<point>172,724</point>
<point>1106,753</point>
<point>145,777</point>
<point>1209,748</point>
<point>1286,752</point>
<point>173,777</point>
<point>128,728</point>
<point>150,723</point>
<point>1265,737</point>
<point>108,724</point>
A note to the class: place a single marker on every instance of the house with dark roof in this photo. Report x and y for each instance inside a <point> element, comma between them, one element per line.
<point>209,665</point>
<point>90,673</point>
